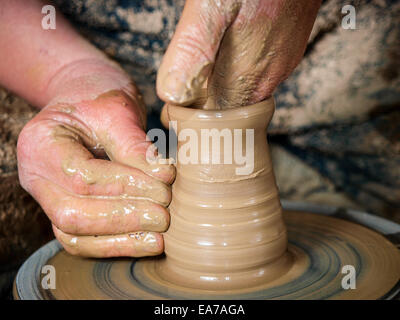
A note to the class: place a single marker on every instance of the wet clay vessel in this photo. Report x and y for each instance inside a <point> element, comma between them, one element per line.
<point>227,230</point>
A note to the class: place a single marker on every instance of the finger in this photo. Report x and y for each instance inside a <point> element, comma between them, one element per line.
<point>201,102</point>
<point>259,50</point>
<point>98,216</point>
<point>60,157</point>
<point>121,134</point>
<point>191,54</point>
<point>137,244</point>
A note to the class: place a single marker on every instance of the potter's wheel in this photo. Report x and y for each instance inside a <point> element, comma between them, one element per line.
<point>318,244</point>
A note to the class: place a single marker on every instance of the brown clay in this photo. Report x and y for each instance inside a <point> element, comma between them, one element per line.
<point>226,229</point>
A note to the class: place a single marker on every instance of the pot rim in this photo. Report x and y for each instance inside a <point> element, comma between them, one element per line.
<point>266,107</point>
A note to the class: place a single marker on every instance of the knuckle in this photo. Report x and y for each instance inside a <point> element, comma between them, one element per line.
<point>190,45</point>
<point>165,194</point>
<point>78,186</point>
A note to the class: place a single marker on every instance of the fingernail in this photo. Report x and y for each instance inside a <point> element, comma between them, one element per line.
<point>153,221</point>
<point>160,193</point>
<point>152,244</point>
<point>146,243</point>
<point>163,170</point>
<point>185,90</point>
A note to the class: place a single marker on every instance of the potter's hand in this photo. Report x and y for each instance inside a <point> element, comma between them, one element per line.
<point>259,43</point>
<point>98,208</point>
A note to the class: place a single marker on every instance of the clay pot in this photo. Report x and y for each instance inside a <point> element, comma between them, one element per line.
<point>226,228</point>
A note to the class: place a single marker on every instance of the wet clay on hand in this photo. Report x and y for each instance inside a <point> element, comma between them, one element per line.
<point>226,229</point>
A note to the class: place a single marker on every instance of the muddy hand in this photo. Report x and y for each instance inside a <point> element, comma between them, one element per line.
<point>244,49</point>
<point>98,207</point>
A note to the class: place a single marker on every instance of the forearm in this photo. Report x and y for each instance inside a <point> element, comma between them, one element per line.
<point>46,66</point>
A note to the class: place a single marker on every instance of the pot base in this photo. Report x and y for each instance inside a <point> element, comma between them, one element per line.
<point>320,248</point>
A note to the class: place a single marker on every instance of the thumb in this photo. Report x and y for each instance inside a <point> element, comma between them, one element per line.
<point>119,131</point>
<point>191,54</point>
